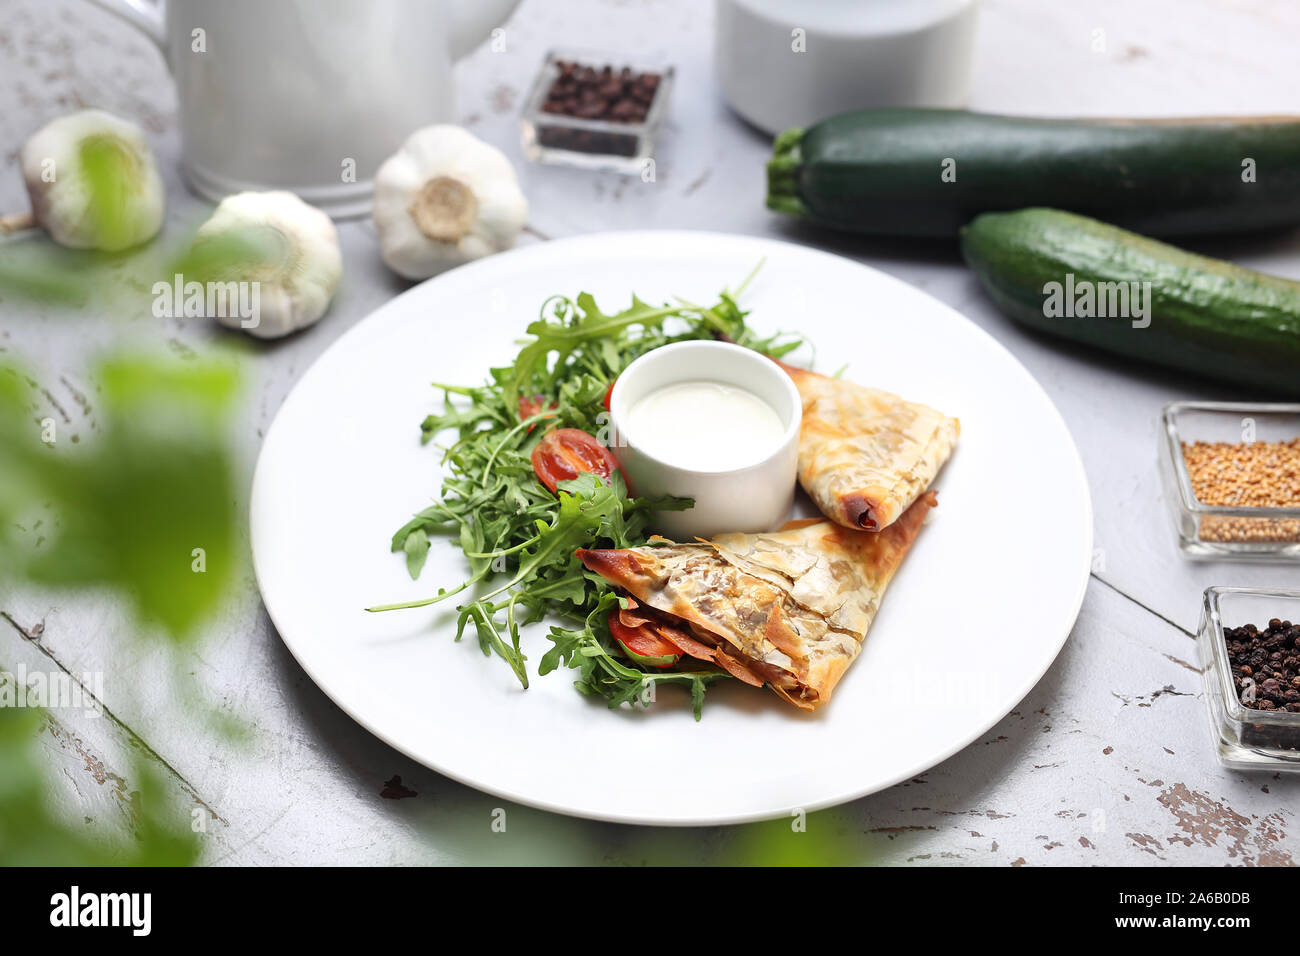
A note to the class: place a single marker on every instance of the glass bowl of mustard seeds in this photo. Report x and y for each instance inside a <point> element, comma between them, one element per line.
<point>1232,476</point>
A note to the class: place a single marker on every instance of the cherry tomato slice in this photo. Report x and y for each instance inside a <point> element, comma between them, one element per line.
<point>566,453</point>
<point>640,640</point>
<point>608,392</point>
<point>528,407</point>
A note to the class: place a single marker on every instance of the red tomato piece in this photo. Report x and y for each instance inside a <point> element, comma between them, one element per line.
<point>528,407</point>
<point>566,453</point>
<point>608,392</point>
<point>641,640</point>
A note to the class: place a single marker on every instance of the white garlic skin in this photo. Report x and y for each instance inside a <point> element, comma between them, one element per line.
<point>62,206</point>
<point>297,296</point>
<point>451,153</point>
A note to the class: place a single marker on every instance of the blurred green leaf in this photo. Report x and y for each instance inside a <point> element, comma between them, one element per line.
<point>112,175</point>
<point>237,254</point>
<point>42,272</point>
<point>147,508</point>
<point>813,840</point>
<point>32,833</point>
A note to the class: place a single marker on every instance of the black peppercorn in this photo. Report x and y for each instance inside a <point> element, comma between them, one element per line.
<point>1266,665</point>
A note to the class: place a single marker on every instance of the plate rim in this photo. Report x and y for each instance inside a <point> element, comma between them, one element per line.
<point>380,314</point>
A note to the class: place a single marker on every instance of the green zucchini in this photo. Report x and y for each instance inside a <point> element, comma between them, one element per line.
<point>1095,283</point>
<point>915,172</point>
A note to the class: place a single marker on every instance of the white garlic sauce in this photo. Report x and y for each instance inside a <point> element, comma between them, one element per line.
<point>705,426</point>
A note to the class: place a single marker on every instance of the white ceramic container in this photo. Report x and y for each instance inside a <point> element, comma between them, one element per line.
<point>784,63</point>
<point>757,494</point>
<point>307,95</point>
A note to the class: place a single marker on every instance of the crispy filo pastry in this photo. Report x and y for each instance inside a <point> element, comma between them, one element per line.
<point>788,609</point>
<point>864,454</point>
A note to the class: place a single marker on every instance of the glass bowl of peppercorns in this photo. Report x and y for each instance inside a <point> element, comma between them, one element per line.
<point>1249,642</point>
<point>586,110</point>
<point>1232,478</point>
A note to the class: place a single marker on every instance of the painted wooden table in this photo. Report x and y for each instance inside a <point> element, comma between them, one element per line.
<point>1108,760</point>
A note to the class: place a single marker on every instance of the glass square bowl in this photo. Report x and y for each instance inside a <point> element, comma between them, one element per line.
<point>1209,531</point>
<point>1245,738</point>
<point>593,143</point>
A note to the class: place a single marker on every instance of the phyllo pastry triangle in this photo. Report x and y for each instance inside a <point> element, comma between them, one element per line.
<point>864,454</point>
<point>788,609</point>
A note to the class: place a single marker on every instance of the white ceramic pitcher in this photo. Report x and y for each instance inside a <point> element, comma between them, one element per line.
<point>307,95</point>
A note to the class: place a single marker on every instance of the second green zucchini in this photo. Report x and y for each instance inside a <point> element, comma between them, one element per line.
<point>1093,283</point>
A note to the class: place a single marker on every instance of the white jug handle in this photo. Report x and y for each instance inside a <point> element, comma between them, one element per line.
<point>471,22</point>
<point>147,15</point>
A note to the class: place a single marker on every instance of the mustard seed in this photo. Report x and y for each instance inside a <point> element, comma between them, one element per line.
<point>1246,475</point>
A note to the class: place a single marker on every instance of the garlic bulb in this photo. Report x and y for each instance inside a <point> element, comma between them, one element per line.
<point>93,183</point>
<point>282,253</point>
<point>444,198</point>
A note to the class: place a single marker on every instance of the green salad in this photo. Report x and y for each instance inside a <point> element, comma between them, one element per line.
<point>530,481</point>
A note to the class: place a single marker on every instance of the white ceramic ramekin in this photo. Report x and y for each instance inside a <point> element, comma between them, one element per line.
<point>784,63</point>
<point>754,496</point>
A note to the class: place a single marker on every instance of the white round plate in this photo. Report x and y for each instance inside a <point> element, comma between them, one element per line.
<point>973,619</point>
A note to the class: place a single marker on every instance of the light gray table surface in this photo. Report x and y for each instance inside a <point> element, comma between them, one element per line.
<point>1107,761</point>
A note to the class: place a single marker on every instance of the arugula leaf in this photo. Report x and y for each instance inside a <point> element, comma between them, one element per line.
<point>416,547</point>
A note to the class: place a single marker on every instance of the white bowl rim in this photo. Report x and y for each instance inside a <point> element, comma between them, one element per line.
<point>791,432</point>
